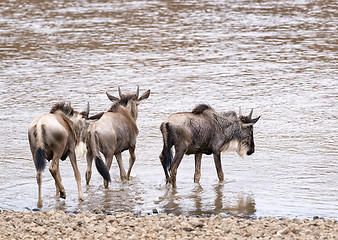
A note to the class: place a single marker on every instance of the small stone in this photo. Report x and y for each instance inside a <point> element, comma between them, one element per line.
<point>155,211</point>
<point>283,231</point>
<point>197,223</point>
<point>40,230</point>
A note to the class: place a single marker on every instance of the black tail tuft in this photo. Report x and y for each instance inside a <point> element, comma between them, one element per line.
<point>40,159</point>
<point>167,152</point>
<point>102,169</point>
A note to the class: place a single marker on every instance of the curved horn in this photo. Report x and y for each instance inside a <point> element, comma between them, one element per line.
<point>137,91</point>
<point>87,110</point>
<point>120,93</point>
<point>112,98</point>
<point>250,114</point>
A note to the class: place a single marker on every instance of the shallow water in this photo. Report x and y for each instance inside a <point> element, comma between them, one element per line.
<point>278,57</point>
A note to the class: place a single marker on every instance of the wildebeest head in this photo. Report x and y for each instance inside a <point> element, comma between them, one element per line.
<point>247,144</point>
<point>129,101</point>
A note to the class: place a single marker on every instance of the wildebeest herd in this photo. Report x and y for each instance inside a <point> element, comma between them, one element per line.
<point>63,131</point>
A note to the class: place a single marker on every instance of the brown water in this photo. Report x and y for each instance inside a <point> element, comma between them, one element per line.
<point>278,57</point>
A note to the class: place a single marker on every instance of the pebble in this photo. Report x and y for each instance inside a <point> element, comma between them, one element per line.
<point>101,225</point>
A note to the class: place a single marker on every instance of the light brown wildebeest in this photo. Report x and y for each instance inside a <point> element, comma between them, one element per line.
<point>113,133</point>
<point>54,136</point>
<point>204,131</point>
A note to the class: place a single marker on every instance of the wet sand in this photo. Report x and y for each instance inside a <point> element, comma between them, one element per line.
<point>59,225</point>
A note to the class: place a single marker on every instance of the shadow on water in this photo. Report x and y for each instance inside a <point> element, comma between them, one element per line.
<point>172,202</point>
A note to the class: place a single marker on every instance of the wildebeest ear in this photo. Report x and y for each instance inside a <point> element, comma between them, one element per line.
<point>112,98</point>
<point>144,95</point>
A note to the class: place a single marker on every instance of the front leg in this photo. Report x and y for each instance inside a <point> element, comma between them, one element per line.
<point>197,176</point>
<point>218,164</point>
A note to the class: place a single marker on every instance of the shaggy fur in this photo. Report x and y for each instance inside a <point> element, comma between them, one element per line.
<point>204,131</point>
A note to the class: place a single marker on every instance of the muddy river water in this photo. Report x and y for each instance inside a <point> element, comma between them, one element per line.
<point>278,57</point>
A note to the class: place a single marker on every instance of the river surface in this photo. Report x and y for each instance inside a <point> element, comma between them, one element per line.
<point>278,57</point>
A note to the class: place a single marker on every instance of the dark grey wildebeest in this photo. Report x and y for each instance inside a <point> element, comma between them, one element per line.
<point>204,131</point>
<point>54,136</point>
<point>113,133</point>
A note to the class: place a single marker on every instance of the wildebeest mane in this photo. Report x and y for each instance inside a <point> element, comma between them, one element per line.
<point>64,107</point>
<point>199,109</point>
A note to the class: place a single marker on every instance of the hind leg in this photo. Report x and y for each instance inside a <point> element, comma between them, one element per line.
<point>59,176</point>
<point>89,158</point>
<point>39,181</point>
<point>53,168</point>
<point>77,174</point>
<point>167,178</point>
<point>123,174</point>
<point>131,160</point>
<point>109,160</point>
<point>176,162</point>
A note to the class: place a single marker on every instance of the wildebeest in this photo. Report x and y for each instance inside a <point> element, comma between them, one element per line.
<point>204,131</point>
<point>113,133</point>
<point>54,136</point>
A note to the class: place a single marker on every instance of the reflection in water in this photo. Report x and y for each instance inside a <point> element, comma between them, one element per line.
<point>172,201</point>
<point>278,57</point>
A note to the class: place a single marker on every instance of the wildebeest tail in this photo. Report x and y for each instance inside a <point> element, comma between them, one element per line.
<point>102,168</point>
<point>40,154</point>
<point>100,165</point>
<point>167,145</point>
<point>40,159</point>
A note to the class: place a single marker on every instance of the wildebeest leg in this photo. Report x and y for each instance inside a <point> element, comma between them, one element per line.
<point>123,174</point>
<point>131,160</point>
<point>53,168</point>
<point>167,178</point>
<point>218,164</point>
<point>39,181</point>
<point>197,176</point>
<point>77,174</point>
<point>59,176</point>
<point>89,157</point>
<point>176,162</point>
<point>109,160</point>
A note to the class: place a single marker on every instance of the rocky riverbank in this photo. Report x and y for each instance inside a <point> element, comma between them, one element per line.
<point>59,225</point>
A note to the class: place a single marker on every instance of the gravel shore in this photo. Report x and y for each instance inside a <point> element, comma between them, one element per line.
<point>59,225</point>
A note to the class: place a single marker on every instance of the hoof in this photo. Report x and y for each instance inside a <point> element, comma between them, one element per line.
<point>106,184</point>
<point>62,195</point>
